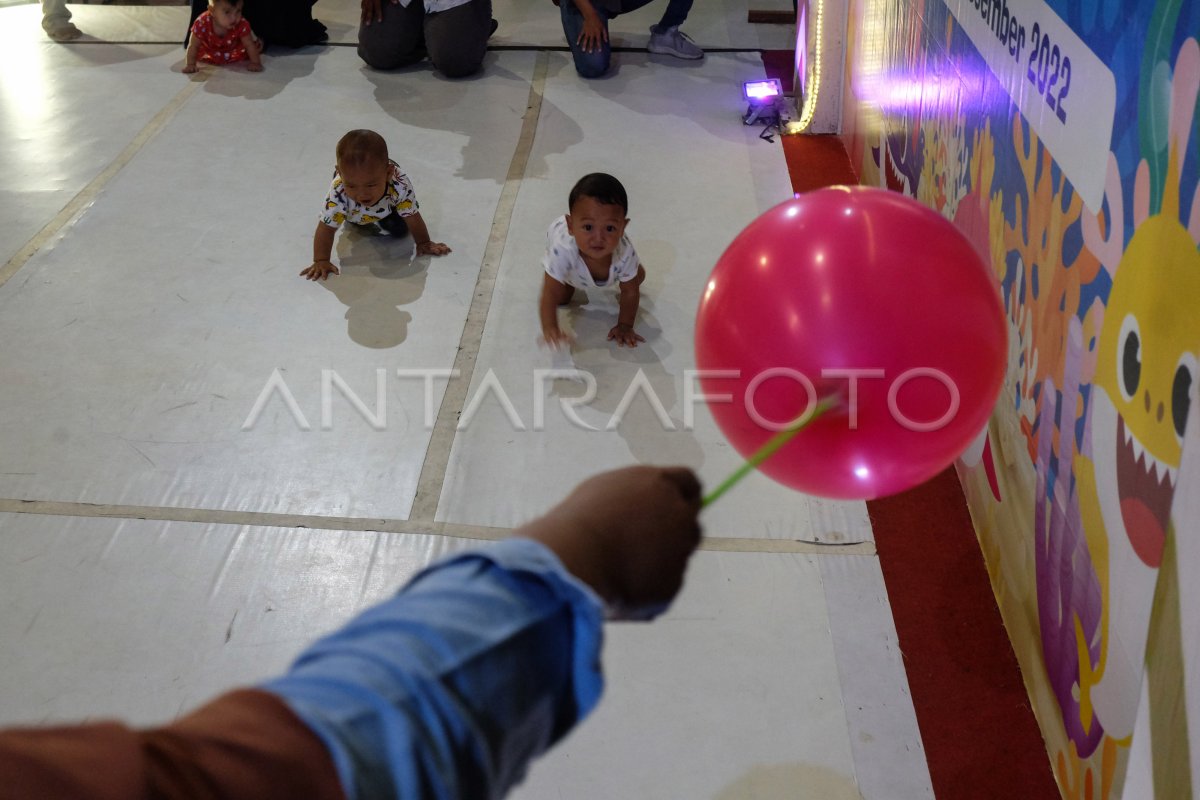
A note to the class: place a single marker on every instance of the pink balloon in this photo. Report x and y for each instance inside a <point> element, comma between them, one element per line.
<point>868,295</point>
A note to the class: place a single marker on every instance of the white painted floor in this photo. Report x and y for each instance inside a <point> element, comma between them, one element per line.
<point>165,536</point>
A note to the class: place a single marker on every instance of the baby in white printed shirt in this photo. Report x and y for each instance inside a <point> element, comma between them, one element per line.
<point>368,188</point>
<point>587,248</point>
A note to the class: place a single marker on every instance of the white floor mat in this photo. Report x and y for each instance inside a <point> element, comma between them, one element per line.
<point>156,323</point>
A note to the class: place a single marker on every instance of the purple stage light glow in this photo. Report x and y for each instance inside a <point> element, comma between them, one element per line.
<point>762,91</point>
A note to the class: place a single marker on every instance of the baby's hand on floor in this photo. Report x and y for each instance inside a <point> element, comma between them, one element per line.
<point>254,67</point>
<point>625,335</point>
<point>319,271</point>
<point>432,249</point>
<point>556,338</point>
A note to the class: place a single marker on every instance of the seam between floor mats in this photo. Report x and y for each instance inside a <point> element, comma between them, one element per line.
<point>80,202</point>
<point>441,440</point>
<point>381,525</point>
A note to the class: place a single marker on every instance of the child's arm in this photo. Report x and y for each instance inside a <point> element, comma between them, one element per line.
<point>253,52</point>
<point>420,234</point>
<point>631,295</point>
<point>553,293</point>
<point>192,51</point>
<point>322,267</point>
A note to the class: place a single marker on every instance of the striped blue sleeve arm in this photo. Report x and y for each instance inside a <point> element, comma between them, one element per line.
<point>450,688</point>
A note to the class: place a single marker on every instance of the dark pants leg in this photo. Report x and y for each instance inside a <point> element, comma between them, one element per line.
<point>395,225</point>
<point>397,40</point>
<point>595,63</point>
<point>198,8</point>
<point>457,38</point>
<point>675,13</point>
<point>285,22</point>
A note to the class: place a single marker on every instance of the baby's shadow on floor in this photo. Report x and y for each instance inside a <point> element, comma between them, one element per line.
<point>236,80</point>
<point>378,275</point>
<point>634,390</point>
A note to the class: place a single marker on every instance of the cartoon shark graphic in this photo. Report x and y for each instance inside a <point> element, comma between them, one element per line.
<point>1145,371</point>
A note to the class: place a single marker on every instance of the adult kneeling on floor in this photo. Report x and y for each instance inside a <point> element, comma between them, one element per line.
<point>585,24</point>
<point>452,33</point>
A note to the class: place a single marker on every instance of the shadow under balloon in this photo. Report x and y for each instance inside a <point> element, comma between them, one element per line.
<point>463,106</point>
<point>635,394</point>
<point>379,274</point>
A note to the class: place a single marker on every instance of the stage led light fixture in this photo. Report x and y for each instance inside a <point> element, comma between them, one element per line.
<point>765,104</point>
<point>764,92</point>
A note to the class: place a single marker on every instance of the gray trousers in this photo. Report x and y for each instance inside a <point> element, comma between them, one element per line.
<point>455,40</point>
<point>54,12</point>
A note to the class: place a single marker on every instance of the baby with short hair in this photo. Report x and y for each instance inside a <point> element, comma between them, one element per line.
<point>368,188</point>
<point>587,248</point>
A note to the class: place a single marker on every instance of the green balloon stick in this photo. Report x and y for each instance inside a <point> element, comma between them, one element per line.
<point>767,450</point>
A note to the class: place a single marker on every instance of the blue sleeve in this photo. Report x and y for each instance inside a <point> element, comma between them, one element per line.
<point>451,687</point>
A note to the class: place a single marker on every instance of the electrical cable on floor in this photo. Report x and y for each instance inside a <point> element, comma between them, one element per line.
<point>772,116</point>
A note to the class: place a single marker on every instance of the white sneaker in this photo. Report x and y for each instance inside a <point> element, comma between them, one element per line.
<point>673,42</point>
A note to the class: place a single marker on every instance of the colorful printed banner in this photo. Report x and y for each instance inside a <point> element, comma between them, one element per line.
<point>1001,115</point>
<point>1065,92</point>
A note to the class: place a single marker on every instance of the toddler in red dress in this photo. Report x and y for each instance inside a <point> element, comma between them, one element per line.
<point>222,36</point>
